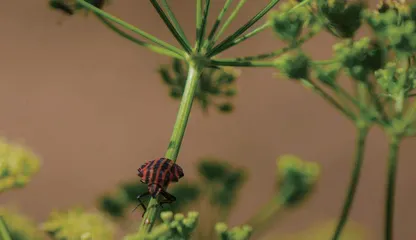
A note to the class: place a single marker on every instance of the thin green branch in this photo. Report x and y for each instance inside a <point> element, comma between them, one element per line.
<point>280,51</point>
<point>130,27</point>
<point>225,62</point>
<point>194,72</point>
<point>198,22</point>
<point>227,23</point>
<point>175,21</point>
<point>311,85</point>
<point>243,38</point>
<point>362,132</point>
<point>377,103</point>
<point>254,32</point>
<point>4,232</point>
<point>261,220</point>
<point>394,147</point>
<point>203,25</point>
<point>217,23</point>
<point>242,29</point>
<point>172,29</point>
<point>151,47</point>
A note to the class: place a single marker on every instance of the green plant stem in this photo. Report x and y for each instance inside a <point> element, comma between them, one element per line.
<point>376,100</point>
<point>242,29</point>
<point>394,146</point>
<point>4,232</point>
<point>362,133</point>
<point>261,219</point>
<point>280,51</point>
<point>227,23</point>
<point>172,29</point>
<point>175,21</point>
<point>194,72</point>
<point>198,22</point>
<point>245,37</point>
<point>225,62</point>
<point>217,23</point>
<point>203,26</point>
<point>311,85</point>
<point>151,47</point>
<point>130,27</point>
<point>255,31</point>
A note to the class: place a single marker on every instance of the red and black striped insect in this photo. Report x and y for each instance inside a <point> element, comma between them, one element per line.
<point>157,174</point>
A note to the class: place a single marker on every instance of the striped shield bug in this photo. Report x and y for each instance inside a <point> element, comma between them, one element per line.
<point>157,174</point>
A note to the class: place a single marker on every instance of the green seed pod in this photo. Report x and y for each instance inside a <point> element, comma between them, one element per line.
<point>343,17</point>
<point>295,179</point>
<point>294,66</point>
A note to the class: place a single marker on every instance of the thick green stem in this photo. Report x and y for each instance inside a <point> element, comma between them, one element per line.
<point>151,47</point>
<point>244,28</point>
<point>194,72</point>
<point>4,232</point>
<point>130,27</point>
<point>394,146</point>
<point>362,132</point>
<point>172,28</point>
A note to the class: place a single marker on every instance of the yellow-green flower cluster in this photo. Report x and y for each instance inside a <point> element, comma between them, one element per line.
<point>17,165</point>
<point>296,179</point>
<point>236,233</point>
<point>174,227</point>
<point>20,227</point>
<point>78,224</point>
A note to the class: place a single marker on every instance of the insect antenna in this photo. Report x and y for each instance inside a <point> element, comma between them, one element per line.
<point>135,208</point>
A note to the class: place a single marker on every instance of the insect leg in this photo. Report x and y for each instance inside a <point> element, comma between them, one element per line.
<point>139,198</point>
<point>169,198</point>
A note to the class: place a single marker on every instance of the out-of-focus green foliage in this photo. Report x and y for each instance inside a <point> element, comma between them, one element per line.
<point>296,179</point>
<point>342,18</point>
<point>20,227</point>
<point>294,65</point>
<point>236,233</point>
<point>216,86</point>
<point>223,180</point>
<point>17,166</point>
<point>324,231</point>
<point>173,227</point>
<point>78,224</point>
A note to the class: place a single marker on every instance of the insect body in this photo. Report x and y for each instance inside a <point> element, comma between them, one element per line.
<point>157,174</point>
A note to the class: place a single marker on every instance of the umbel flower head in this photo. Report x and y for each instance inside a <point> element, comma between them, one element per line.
<point>78,224</point>
<point>17,166</point>
<point>216,86</point>
<point>295,178</point>
<point>288,25</point>
<point>173,227</point>
<point>20,227</point>
<point>236,233</point>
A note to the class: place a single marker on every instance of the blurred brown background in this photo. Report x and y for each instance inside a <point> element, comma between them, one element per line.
<point>93,107</point>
